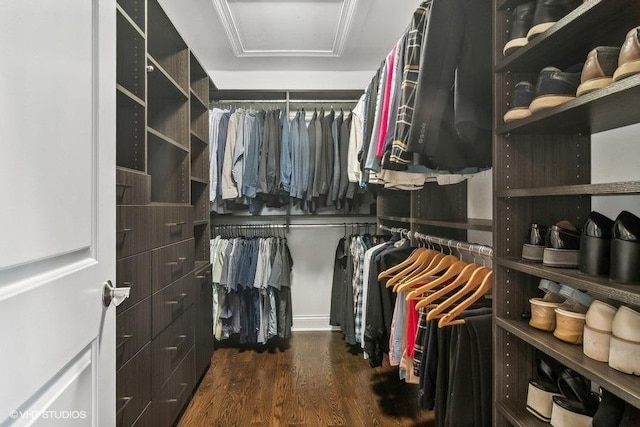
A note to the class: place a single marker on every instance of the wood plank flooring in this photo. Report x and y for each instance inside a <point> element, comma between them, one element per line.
<point>314,382</point>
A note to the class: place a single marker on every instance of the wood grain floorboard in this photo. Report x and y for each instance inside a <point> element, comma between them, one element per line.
<point>311,381</point>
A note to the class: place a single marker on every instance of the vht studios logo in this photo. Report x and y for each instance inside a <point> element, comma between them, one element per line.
<point>52,415</point>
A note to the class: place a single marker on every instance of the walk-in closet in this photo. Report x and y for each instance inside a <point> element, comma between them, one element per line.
<point>320,213</point>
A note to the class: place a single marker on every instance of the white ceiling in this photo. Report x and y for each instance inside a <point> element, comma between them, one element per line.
<point>319,38</point>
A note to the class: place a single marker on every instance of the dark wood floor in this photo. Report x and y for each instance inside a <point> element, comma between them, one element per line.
<point>314,382</point>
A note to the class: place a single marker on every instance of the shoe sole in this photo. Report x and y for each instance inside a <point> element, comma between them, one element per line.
<point>596,344</point>
<point>593,84</point>
<point>625,70</point>
<point>539,29</point>
<point>623,355</point>
<point>517,114</point>
<point>532,253</point>
<point>560,417</point>
<point>548,101</point>
<point>513,45</point>
<point>563,258</point>
<point>540,402</point>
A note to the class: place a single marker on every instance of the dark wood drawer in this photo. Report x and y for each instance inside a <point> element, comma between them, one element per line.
<point>170,224</point>
<point>171,262</point>
<point>170,347</point>
<point>173,395</point>
<point>132,230</point>
<point>204,320</point>
<point>133,330</point>
<point>172,301</point>
<point>146,418</point>
<point>132,188</point>
<point>133,387</point>
<point>134,272</point>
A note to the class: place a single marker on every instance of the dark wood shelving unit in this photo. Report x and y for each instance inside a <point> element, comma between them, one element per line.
<point>542,173</point>
<point>623,385</point>
<point>157,202</point>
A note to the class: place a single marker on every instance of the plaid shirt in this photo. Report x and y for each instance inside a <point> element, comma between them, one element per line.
<point>399,153</point>
<point>358,250</point>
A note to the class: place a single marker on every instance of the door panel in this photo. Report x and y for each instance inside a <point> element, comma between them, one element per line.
<point>57,181</point>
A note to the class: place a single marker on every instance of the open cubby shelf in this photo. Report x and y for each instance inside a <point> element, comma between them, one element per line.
<point>168,111</point>
<point>166,46</point>
<point>135,11</point>
<point>130,57</point>
<point>130,132</point>
<point>614,188</point>
<point>169,170</point>
<point>199,80</point>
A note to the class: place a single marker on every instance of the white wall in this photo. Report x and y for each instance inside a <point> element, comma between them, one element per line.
<point>615,157</point>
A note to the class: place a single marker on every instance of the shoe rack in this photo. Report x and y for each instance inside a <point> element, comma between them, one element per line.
<point>164,330</point>
<point>542,174</point>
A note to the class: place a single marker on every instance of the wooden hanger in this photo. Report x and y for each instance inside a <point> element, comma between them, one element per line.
<point>452,272</point>
<point>474,281</point>
<point>462,278</point>
<point>390,272</point>
<point>450,318</point>
<point>423,259</point>
<point>444,263</point>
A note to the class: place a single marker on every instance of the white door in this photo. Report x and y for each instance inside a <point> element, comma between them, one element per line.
<point>57,212</point>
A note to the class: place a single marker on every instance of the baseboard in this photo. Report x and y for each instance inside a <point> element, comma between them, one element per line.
<point>312,323</point>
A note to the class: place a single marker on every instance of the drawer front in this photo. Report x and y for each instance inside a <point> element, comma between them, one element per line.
<point>133,330</point>
<point>204,321</point>
<point>171,262</point>
<point>134,272</point>
<point>132,230</point>
<point>172,301</point>
<point>132,188</point>
<point>171,398</point>
<point>133,387</point>
<point>171,224</point>
<point>146,418</point>
<point>170,347</point>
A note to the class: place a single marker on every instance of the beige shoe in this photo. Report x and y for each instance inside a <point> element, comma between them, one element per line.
<point>597,330</point>
<point>624,350</point>
<point>629,60</point>
<point>540,400</point>
<point>569,326</point>
<point>543,315</point>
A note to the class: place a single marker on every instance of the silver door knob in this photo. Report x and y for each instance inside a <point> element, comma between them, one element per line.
<point>113,294</point>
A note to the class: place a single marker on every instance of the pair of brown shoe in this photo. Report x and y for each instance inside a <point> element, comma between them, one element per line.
<point>606,64</point>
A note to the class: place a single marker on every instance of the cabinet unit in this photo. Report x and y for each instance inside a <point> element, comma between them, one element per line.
<point>542,174</point>
<point>164,330</point>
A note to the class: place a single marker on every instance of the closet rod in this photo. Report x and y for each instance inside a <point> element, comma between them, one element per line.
<point>288,226</point>
<point>285,101</point>
<point>482,250</point>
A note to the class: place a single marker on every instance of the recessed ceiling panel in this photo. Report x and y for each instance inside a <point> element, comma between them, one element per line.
<point>286,27</point>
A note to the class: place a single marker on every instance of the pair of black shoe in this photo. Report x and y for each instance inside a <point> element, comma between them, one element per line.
<point>532,18</point>
<point>615,412</point>
<point>561,396</point>
<point>604,247</point>
<point>611,247</point>
<point>554,246</point>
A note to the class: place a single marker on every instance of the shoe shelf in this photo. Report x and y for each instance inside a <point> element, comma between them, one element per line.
<point>167,76</point>
<point>195,97</point>
<point>614,188</point>
<point>594,23</point>
<point>623,385</point>
<point>608,108</point>
<point>517,415</point>
<point>626,294</point>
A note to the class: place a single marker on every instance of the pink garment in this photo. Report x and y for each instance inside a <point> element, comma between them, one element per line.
<point>412,327</point>
<point>386,103</point>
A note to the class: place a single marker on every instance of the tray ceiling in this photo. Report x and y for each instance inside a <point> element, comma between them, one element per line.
<point>286,27</point>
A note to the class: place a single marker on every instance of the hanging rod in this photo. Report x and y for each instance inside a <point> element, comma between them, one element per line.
<point>482,250</point>
<point>285,101</point>
<point>324,225</point>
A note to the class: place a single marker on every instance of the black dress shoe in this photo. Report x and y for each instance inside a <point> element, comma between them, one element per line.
<point>555,87</point>
<point>521,19</point>
<point>533,248</point>
<point>548,12</point>
<point>625,249</point>
<point>562,246</point>
<point>609,411</point>
<point>595,245</point>
<point>523,94</point>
